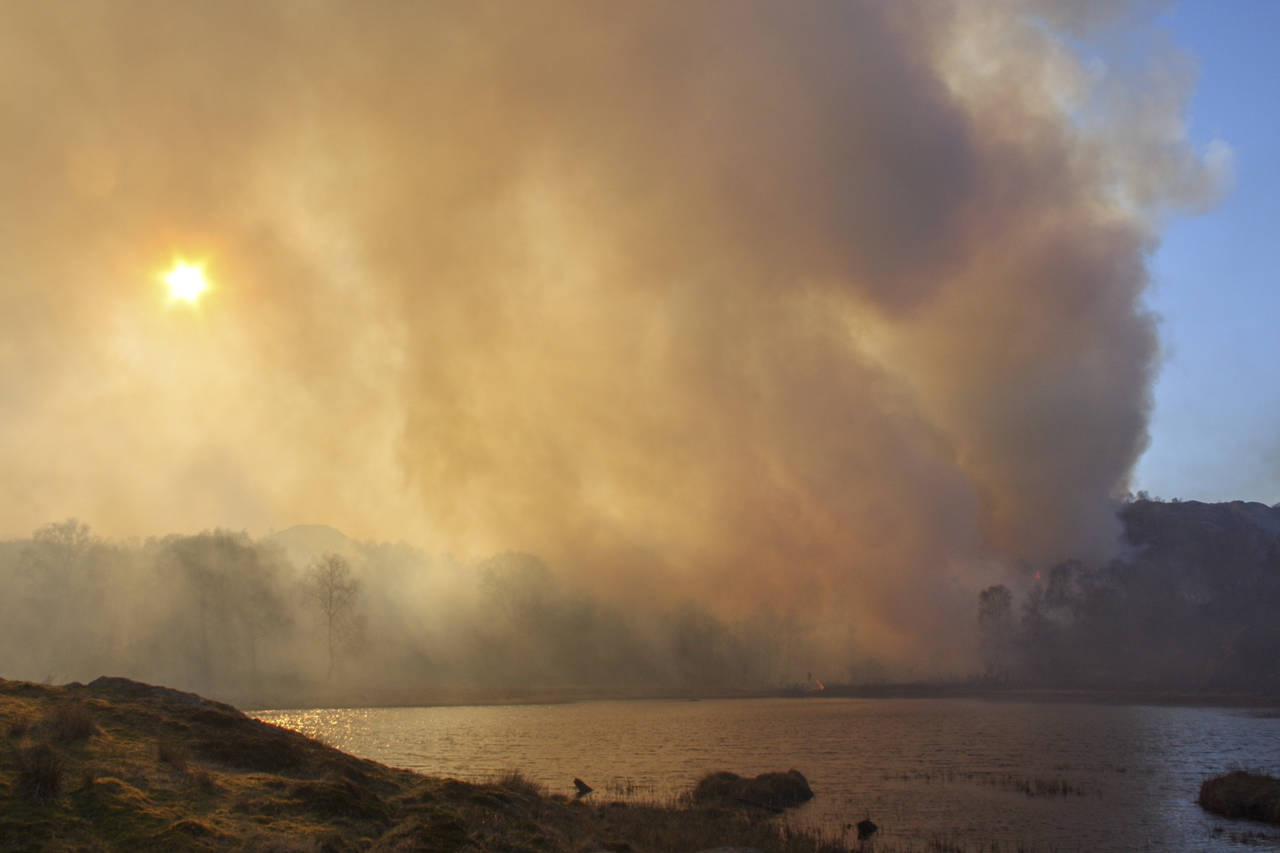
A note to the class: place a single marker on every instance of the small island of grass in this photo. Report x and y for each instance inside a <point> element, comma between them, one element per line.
<point>1241,794</point>
<point>118,765</point>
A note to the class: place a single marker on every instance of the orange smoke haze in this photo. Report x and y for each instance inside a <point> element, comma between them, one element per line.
<point>834,307</point>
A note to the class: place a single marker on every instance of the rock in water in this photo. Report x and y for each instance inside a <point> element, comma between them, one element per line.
<point>866,829</point>
<point>583,787</point>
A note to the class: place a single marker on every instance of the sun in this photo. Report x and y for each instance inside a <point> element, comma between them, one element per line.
<point>186,281</point>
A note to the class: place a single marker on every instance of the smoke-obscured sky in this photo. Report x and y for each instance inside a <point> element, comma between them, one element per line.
<point>839,307</point>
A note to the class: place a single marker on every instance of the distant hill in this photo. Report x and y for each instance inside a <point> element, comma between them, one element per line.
<point>303,543</point>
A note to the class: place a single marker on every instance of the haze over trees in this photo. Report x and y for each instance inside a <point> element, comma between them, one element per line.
<point>308,610</point>
<point>808,314</point>
<point>331,588</point>
<point>1191,604</point>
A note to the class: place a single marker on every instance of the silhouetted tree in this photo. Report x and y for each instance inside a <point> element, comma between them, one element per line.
<point>995,630</point>
<point>329,584</point>
<point>232,593</point>
<point>257,606</point>
<point>57,548</point>
<point>520,585</point>
<point>57,583</point>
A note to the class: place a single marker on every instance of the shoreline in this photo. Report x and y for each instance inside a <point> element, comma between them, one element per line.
<point>482,697</point>
<point>117,764</point>
<point>121,765</point>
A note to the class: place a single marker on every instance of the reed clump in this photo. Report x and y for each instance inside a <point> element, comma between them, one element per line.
<point>517,782</point>
<point>39,773</point>
<point>70,723</point>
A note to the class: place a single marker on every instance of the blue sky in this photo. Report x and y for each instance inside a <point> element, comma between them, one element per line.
<point>1215,431</point>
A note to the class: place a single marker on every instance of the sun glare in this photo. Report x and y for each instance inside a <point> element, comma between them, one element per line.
<point>186,281</point>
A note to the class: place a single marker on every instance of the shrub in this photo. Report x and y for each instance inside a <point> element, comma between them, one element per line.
<point>205,781</point>
<point>70,723</point>
<point>39,772</point>
<point>20,727</point>
<point>1242,794</point>
<point>89,776</point>
<point>173,754</point>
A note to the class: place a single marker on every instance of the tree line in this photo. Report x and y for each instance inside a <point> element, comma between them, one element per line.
<point>222,613</point>
<point>1190,605</point>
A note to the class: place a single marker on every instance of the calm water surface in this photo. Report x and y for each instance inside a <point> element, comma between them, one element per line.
<point>968,772</point>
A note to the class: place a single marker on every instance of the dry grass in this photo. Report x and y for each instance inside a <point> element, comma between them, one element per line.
<point>20,727</point>
<point>89,774</point>
<point>173,754</point>
<point>624,786</point>
<point>204,781</point>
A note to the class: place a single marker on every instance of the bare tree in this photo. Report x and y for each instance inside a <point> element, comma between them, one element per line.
<point>57,550</point>
<point>232,592</point>
<point>58,582</point>
<point>330,585</point>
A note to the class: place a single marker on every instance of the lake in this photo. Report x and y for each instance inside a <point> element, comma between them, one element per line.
<point>965,772</point>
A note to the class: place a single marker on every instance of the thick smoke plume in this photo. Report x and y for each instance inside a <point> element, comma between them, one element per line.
<point>834,306</point>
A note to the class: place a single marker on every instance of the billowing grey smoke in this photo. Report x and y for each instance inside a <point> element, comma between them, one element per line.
<point>831,306</point>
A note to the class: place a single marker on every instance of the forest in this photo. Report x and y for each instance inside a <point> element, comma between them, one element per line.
<point>1191,604</point>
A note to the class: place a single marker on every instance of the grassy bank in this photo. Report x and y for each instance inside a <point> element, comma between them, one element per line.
<point>121,766</point>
